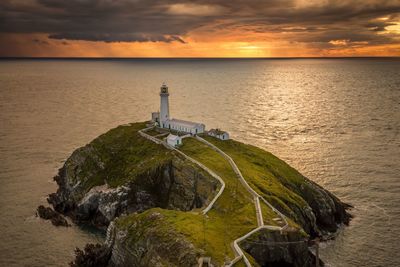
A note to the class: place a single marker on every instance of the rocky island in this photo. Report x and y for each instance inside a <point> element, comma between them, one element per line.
<point>206,201</point>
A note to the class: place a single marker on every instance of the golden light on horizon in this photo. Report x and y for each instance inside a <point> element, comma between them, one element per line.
<point>300,28</point>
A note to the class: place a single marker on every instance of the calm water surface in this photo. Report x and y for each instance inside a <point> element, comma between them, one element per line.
<point>337,121</point>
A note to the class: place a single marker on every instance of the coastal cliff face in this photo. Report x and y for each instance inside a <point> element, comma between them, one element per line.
<point>324,211</point>
<point>147,240</point>
<point>273,249</point>
<point>319,212</point>
<point>170,183</point>
<point>143,192</point>
<point>315,209</point>
<point>174,184</point>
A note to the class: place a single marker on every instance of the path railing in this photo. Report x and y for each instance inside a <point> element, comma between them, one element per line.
<point>260,221</point>
<point>205,168</point>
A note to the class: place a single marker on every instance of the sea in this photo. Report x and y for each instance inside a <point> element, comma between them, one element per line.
<point>335,120</point>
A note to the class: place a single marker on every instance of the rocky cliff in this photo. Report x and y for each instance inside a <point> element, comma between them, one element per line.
<point>148,240</point>
<point>273,249</point>
<point>92,191</point>
<point>150,198</point>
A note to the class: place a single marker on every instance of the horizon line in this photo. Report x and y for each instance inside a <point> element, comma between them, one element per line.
<point>188,58</point>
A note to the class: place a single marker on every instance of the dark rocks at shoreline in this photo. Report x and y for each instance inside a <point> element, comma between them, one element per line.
<point>274,249</point>
<point>93,255</point>
<point>48,213</point>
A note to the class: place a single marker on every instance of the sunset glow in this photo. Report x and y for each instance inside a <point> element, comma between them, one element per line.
<point>102,28</point>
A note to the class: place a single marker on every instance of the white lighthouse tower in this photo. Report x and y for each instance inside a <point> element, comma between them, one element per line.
<point>164,106</point>
<point>163,120</point>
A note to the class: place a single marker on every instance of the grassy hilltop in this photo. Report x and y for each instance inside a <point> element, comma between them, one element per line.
<point>234,213</point>
<point>177,233</point>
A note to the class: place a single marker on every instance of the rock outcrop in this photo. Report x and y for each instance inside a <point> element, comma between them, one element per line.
<point>175,184</point>
<point>322,212</point>
<point>148,241</point>
<point>93,255</point>
<point>120,172</point>
<point>274,249</point>
<point>49,214</point>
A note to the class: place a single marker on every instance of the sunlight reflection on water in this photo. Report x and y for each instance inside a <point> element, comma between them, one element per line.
<point>337,121</point>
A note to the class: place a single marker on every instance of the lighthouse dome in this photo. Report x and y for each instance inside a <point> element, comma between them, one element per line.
<point>164,89</point>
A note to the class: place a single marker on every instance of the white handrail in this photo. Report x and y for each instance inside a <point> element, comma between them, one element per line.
<point>213,174</point>
<point>257,197</point>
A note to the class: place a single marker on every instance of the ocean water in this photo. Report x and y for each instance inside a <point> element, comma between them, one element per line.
<point>335,120</point>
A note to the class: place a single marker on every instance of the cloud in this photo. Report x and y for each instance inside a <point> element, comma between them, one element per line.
<point>38,41</point>
<point>195,9</point>
<point>119,37</point>
<point>95,20</point>
<point>328,23</point>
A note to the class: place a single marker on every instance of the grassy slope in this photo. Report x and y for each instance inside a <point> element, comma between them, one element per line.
<point>232,216</point>
<point>262,170</point>
<point>123,153</point>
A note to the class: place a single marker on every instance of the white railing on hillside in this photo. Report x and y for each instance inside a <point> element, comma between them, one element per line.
<point>257,197</point>
<point>260,221</point>
<point>209,171</point>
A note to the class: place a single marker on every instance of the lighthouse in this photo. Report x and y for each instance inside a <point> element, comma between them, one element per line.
<point>164,106</point>
<point>162,118</point>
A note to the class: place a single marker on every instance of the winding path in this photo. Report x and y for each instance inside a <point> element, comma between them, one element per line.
<point>213,174</point>
<point>256,197</point>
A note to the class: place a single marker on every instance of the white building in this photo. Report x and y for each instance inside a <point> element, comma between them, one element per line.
<point>174,140</point>
<point>185,126</point>
<point>163,119</point>
<point>219,134</point>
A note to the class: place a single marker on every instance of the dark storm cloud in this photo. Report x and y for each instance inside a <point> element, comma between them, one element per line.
<point>109,38</point>
<point>40,41</point>
<point>167,21</point>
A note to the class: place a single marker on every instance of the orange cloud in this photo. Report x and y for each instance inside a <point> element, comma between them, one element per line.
<point>251,28</point>
<point>39,45</point>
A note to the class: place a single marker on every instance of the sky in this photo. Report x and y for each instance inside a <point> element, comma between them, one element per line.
<point>199,28</point>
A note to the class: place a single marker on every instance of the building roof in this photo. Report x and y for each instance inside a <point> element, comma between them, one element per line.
<point>185,123</point>
<point>172,137</point>
<point>217,131</point>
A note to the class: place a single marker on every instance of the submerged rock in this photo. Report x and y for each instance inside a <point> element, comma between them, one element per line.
<point>49,214</point>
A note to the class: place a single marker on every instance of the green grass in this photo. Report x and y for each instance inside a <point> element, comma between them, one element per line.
<point>122,154</point>
<point>118,156</point>
<point>232,216</point>
<point>264,172</point>
<point>268,215</point>
<point>153,132</point>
